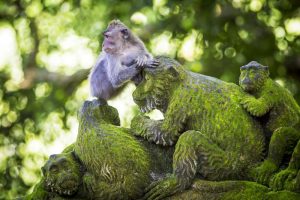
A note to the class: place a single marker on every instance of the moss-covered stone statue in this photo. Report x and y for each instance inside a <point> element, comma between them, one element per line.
<point>218,144</point>
<point>215,136</point>
<point>105,162</point>
<point>71,175</point>
<point>279,113</point>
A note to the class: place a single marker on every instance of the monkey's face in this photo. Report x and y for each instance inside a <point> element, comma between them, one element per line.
<point>62,174</point>
<point>115,37</point>
<point>252,78</point>
<point>154,90</point>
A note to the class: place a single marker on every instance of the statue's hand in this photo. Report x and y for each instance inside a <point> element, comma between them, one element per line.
<point>138,125</point>
<point>278,181</point>
<point>163,188</point>
<point>249,103</point>
<point>264,172</point>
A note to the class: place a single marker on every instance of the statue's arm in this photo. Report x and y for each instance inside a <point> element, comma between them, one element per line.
<point>257,106</point>
<point>99,189</point>
<point>164,132</point>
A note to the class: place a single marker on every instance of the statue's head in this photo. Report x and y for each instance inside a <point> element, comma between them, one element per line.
<point>98,111</point>
<point>157,85</point>
<point>62,174</point>
<point>253,76</point>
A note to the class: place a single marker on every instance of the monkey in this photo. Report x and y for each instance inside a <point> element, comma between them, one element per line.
<point>122,58</point>
<point>278,111</point>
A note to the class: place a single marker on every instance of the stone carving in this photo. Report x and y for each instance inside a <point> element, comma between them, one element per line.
<point>216,136</point>
<point>279,114</point>
<point>105,162</point>
<point>218,145</point>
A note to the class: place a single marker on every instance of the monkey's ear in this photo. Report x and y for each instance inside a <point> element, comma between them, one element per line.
<point>125,33</point>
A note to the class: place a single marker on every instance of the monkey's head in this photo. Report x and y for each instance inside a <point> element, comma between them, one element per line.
<point>156,87</point>
<point>63,174</point>
<point>253,76</point>
<point>115,37</point>
<point>98,112</point>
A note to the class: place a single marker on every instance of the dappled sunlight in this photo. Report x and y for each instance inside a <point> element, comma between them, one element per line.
<point>9,54</point>
<point>164,44</point>
<point>293,26</point>
<point>47,48</point>
<point>139,18</point>
<point>191,47</point>
<point>125,105</point>
<point>72,54</point>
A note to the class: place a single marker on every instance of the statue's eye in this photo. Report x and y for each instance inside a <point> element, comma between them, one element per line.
<point>54,169</point>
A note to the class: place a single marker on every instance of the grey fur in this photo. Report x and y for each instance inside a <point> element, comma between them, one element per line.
<point>121,60</point>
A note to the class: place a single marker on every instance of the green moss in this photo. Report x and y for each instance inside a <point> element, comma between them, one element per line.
<point>279,114</point>
<point>226,142</point>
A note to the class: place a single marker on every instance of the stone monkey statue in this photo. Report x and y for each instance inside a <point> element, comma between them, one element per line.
<point>276,108</point>
<point>122,57</point>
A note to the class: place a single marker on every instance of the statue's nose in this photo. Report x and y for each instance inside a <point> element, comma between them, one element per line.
<point>246,81</point>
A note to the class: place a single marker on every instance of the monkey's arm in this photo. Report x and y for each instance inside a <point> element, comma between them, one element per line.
<point>124,74</point>
<point>256,107</point>
<point>100,85</point>
<point>128,72</point>
<point>164,132</point>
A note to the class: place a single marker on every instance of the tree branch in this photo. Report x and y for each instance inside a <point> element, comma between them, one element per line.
<point>39,75</point>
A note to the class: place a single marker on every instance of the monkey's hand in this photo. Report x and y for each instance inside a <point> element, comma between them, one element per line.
<point>151,130</point>
<point>143,60</point>
<point>163,188</point>
<point>138,125</point>
<point>256,107</point>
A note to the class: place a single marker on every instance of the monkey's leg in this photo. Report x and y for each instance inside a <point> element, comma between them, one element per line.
<point>194,152</point>
<point>97,189</point>
<point>287,178</point>
<point>282,139</point>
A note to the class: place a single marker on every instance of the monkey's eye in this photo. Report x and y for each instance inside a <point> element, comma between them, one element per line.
<point>124,31</point>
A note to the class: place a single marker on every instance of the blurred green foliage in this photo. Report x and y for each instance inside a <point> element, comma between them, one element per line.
<point>48,46</point>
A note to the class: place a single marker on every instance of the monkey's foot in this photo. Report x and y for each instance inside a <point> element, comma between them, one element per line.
<point>278,181</point>
<point>163,188</point>
<point>264,172</point>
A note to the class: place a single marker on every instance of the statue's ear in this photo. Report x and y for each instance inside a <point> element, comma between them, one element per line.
<point>173,71</point>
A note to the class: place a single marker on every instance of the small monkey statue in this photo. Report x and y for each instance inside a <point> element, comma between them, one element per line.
<point>277,110</point>
<point>122,58</point>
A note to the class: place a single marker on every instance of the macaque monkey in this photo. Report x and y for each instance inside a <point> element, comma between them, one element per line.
<point>122,58</point>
